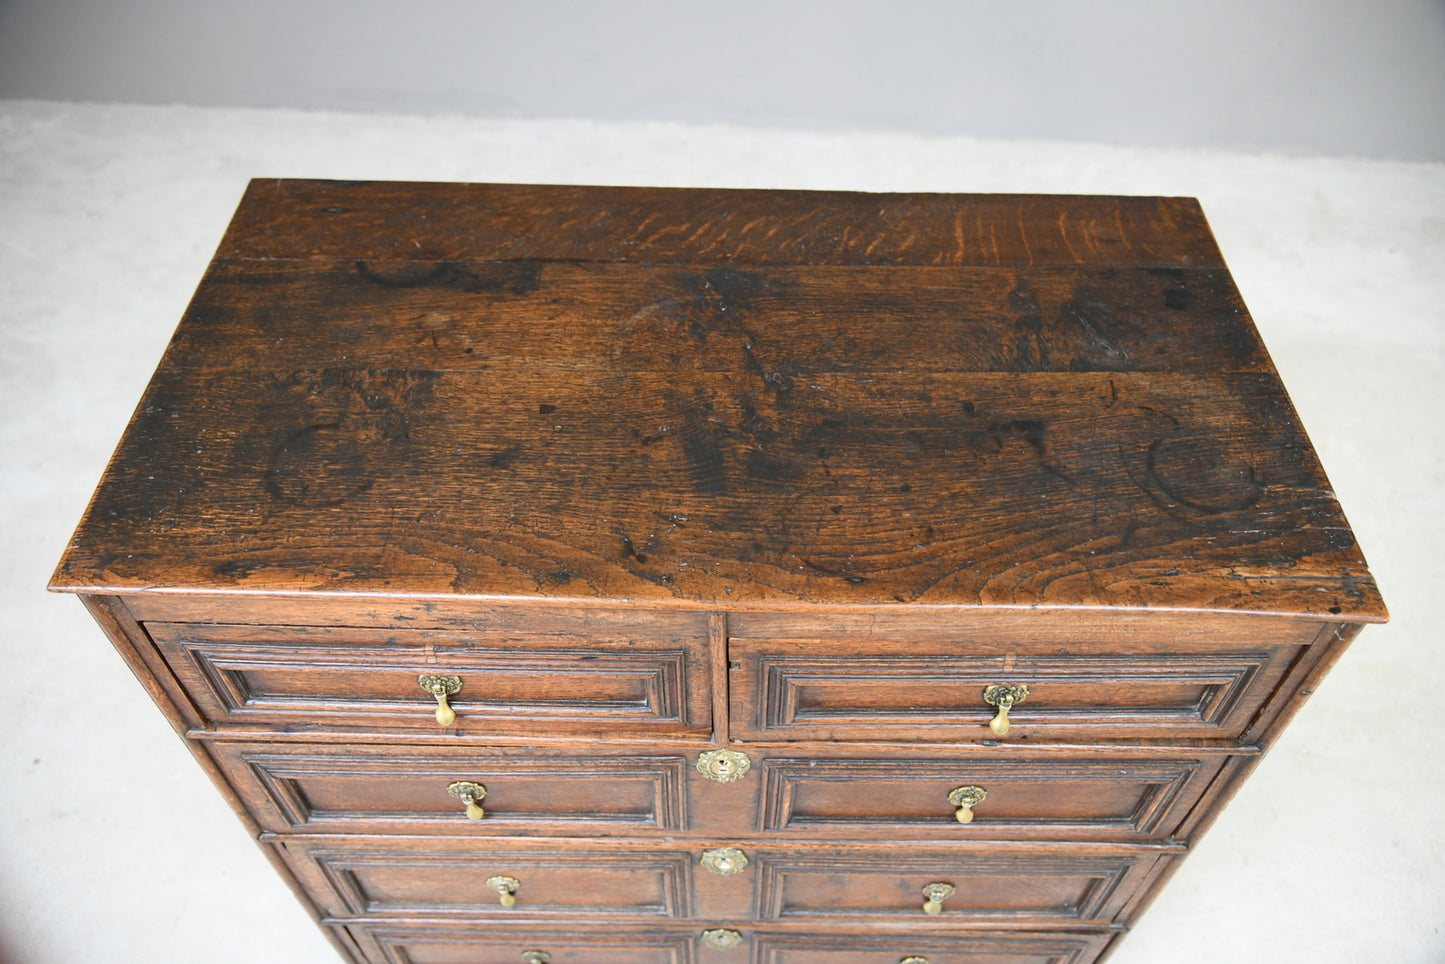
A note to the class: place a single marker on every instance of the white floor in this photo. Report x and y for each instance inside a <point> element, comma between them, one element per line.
<point>113,846</point>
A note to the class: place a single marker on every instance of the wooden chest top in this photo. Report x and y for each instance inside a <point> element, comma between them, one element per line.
<point>753,399</point>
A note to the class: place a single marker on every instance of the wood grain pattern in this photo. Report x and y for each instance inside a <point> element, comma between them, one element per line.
<point>516,222</point>
<point>786,322</point>
<point>1141,490</point>
<point>721,398</point>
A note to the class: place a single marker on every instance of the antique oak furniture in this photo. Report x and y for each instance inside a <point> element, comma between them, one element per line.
<point>560,574</point>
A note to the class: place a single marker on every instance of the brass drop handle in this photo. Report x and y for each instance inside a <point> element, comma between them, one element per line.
<point>507,887</point>
<point>933,897</point>
<point>965,799</point>
<point>542,957</point>
<point>441,687</point>
<point>470,794</point>
<point>1005,697</point>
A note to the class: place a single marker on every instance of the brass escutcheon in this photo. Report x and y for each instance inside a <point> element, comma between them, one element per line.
<point>1005,696</point>
<point>913,959</point>
<point>725,861</point>
<point>441,687</point>
<point>470,794</point>
<point>724,766</point>
<point>721,939</point>
<point>542,957</point>
<point>965,799</point>
<point>933,897</point>
<point>507,887</point>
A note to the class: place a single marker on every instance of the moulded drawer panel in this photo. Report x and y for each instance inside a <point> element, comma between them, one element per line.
<point>590,944</point>
<point>364,789</point>
<point>451,944</point>
<point>301,678</point>
<point>447,878</point>
<point>1118,798</point>
<point>787,690</point>
<point>1018,885</point>
<point>1048,947</point>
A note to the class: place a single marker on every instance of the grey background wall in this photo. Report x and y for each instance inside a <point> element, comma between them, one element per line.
<point>1352,77</point>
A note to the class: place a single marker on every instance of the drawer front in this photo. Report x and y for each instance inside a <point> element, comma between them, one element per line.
<point>420,878</point>
<point>306,678</point>
<point>451,944</point>
<point>588,944</point>
<point>1128,796</point>
<point>327,788</point>
<point>995,795</point>
<point>1032,886</point>
<point>1042,948</point>
<point>799,690</point>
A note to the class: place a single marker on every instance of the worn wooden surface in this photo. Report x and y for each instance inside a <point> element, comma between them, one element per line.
<point>786,322</point>
<point>713,397</point>
<point>512,222</point>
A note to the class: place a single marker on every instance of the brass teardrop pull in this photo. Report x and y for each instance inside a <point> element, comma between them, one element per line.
<point>965,799</point>
<point>933,897</point>
<point>542,957</point>
<point>1005,697</point>
<point>441,687</point>
<point>913,959</point>
<point>507,887</point>
<point>470,794</point>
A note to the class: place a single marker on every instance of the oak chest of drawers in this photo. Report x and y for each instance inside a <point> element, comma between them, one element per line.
<point>639,575</point>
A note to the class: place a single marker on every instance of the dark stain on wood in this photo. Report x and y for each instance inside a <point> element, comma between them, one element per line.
<point>1198,474</point>
<point>511,278</point>
<point>331,430</point>
<point>702,447</point>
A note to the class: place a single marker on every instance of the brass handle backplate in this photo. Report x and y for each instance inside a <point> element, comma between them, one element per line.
<point>725,861</point>
<point>965,799</point>
<point>913,959</point>
<point>1005,696</point>
<point>724,766</point>
<point>507,887</point>
<point>441,687</point>
<point>470,794</point>
<point>542,957</point>
<point>933,897</point>
<point>721,939</point>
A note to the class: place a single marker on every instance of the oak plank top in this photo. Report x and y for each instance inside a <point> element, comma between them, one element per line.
<point>721,398</point>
